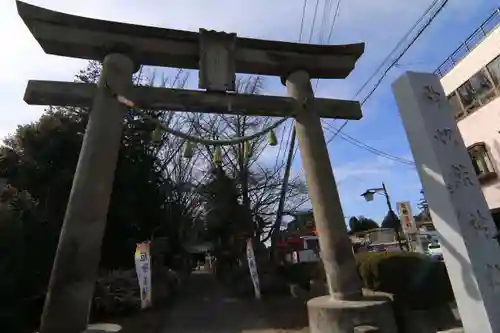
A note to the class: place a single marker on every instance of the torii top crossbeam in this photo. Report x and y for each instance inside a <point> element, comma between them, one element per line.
<point>85,38</point>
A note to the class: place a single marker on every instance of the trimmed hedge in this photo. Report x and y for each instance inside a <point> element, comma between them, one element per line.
<point>415,280</point>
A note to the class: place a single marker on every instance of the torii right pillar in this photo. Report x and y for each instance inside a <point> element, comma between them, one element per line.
<point>345,307</point>
<point>458,208</point>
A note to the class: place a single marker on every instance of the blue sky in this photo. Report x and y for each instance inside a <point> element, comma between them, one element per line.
<point>378,23</point>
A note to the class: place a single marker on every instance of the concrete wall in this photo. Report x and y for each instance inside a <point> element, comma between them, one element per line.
<point>484,124</point>
<point>381,236</point>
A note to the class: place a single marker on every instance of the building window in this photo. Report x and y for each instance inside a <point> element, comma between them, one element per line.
<point>481,162</point>
<point>494,70</point>
<point>476,91</point>
<point>456,105</point>
<point>479,90</point>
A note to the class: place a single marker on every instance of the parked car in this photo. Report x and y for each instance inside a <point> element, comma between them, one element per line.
<point>434,250</point>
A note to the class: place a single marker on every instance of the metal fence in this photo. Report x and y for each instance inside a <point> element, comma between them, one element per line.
<point>470,43</point>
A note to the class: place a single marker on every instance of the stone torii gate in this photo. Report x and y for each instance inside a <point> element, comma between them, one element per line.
<point>122,48</point>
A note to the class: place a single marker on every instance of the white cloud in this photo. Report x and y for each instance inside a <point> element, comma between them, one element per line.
<point>365,168</point>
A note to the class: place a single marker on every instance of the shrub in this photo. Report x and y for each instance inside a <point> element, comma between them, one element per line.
<point>116,293</point>
<point>415,280</point>
<point>299,274</point>
<point>27,244</point>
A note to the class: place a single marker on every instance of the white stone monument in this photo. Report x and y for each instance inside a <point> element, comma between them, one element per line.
<point>458,208</point>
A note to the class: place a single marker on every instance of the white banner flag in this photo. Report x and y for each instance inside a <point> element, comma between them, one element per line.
<point>252,267</point>
<point>143,269</point>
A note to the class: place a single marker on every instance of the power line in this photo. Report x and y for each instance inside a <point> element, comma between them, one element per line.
<point>281,204</point>
<point>302,20</point>
<point>359,143</point>
<point>374,150</point>
<point>334,20</point>
<point>304,7</point>
<point>332,26</point>
<point>405,50</point>
<point>339,130</point>
<point>400,43</point>
<point>292,132</point>
<point>335,16</point>
<point>414,39</point>
<point>324,19</point>
<point>314,20</point>
<point>292,129</point>
<point>293,151</point>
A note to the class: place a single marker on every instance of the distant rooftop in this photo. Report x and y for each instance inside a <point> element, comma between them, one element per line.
<point>470,43</point>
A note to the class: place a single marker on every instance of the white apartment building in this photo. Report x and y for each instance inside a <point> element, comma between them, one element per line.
<point>471,80</point>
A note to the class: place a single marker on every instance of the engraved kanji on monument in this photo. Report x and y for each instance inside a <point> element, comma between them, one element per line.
<point>457,204</point>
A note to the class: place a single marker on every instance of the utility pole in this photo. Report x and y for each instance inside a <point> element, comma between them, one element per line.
<point>394,217</point>
<point>387,199</point>
<point>284,189</point>
<point>368,195</point>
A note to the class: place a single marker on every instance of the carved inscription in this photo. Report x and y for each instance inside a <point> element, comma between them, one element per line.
<point>459,176</point>
<point>446,136</point>
<point>493,276</point>
<point>479,223</point>
<point>431,94</point>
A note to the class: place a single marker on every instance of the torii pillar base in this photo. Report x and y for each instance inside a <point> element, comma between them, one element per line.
<point>328,315</point>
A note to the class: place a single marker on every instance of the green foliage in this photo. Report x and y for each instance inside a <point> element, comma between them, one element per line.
<point>357,224</point>
<point>416,280</point>
<point>116,292</point>
<point>39,161</point>
<point>26,246</point>
<point>41,157</point>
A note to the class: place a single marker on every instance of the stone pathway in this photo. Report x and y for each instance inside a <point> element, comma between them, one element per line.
<point>207,308</point>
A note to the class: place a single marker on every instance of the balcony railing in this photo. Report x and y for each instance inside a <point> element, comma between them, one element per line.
<point>470,43</point>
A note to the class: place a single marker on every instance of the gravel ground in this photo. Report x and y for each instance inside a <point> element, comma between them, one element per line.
<point>207,308</point>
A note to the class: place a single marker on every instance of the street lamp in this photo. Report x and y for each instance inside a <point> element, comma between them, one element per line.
<point>369,196</point>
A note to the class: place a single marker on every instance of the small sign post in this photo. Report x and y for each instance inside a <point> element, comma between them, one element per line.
<point>408,224</point>
<point>252,267</point>
<point>143,269</point>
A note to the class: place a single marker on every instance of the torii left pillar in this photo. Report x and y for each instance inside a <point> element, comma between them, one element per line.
<point>71,286</point>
